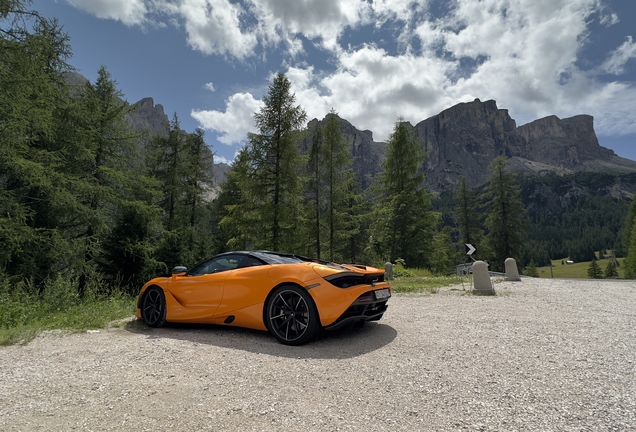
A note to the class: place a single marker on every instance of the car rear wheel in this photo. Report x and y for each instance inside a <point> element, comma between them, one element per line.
<point>291,315</point>
<point>153,307</point>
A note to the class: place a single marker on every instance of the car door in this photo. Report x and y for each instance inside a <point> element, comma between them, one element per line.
<point>200,290</point>
<point>245,286</point>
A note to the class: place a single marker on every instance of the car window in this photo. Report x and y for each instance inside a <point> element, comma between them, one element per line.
<point>250,261</point>
<point>217,264</point>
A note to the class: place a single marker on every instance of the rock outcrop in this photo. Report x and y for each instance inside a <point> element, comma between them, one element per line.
<point>464,139</point>
<point>367,154</point>
<point>146,117</point>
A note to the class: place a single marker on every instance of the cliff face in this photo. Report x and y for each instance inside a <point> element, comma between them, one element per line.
<point>367,154</point>
<point>464,139</point>
<point>150,118</point>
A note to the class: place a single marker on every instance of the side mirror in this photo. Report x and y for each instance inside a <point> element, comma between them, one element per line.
<point>178,270</point>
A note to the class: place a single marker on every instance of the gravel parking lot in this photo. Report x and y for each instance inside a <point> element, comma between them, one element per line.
<point>541,355</point>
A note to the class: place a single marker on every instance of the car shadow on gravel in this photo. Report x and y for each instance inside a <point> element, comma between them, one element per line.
<point>329,345</point>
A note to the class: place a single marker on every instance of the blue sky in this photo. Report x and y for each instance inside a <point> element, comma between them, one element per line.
<point>210,61</point>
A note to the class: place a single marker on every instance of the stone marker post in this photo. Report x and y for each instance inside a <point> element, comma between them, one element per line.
<point>512,274</point>
<point>481,278</point>
<point>388,271</point>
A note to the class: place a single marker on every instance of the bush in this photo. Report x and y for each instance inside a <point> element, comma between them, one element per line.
<point>25,311</point>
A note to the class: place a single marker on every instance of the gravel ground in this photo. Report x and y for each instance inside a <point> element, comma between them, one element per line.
<point>542,355</point>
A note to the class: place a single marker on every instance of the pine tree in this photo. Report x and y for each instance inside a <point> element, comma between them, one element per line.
<point>594,270</point>
<point>531,270</point>
<point>315,193</point>
<point>506,219</point>
<point>630,261</point>
<point>271,182</point>
<point>405,222</point>
<point>468,217</point>
<point>182,163</point>
<point>332,191</point>
<point>627,228</point>
<point>36,201</point>
<point>610,270</point>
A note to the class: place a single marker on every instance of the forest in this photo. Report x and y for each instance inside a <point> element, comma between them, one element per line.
<point>86,200</point>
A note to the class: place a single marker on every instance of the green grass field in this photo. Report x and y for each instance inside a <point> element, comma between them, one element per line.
<point>576,270</point>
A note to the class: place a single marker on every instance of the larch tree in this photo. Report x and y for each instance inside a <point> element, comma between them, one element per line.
<point>405,222</point>
<point>36,196</point>
<point>506,219</point>
<point>467,213</point>
<point>332,194</point>
<point>271,181</point>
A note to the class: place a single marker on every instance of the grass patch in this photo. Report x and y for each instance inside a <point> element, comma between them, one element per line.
<point>576,270</point>
<point>24,313</point>
<point>420,281</point>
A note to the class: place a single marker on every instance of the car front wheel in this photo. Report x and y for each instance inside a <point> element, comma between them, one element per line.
<point>153,307</point>
<point>291,315</point>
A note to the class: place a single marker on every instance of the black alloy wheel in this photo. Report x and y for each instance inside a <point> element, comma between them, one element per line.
<point>291,315</point>
<point>153,307</point>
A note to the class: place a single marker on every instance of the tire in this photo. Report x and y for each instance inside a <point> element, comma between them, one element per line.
<point>153,307</point>
<point>291,315</point>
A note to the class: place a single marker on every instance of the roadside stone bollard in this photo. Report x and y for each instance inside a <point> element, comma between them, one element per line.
<point>512,274</point>
<point>388,271</point>
<point>481,279</point>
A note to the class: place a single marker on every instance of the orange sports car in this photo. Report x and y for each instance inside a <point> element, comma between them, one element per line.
<point>291,296</point>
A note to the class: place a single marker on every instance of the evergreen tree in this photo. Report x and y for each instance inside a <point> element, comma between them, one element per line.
<point>333,201</point>
<point>270,179</point>
<point>36,199</point>
<point>627,227</point>
<point>315,193</point>
<point>467,217</point>
<point>506,219</point>
<point>405,222</point>
<point>239,221</point>
<point>531,270</point>
<point>199,182</point>
<point>594,270</point>
<point>182,163</point>
<point>106,169</point>
<point>630,260</point>
<point>610,271</point>
<point>441,259</point>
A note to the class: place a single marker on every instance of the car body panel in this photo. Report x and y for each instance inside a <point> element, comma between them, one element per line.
<point>237,297</point>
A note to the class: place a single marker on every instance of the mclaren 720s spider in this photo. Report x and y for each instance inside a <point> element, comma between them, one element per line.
<point>292,297</point>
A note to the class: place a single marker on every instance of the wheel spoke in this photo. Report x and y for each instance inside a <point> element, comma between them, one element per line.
<point>289,315</point>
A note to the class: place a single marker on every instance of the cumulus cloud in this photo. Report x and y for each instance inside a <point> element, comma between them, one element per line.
<point>209,86</point>
<point>522,53</point>
<point>234,123</point>
<point>129,12</point>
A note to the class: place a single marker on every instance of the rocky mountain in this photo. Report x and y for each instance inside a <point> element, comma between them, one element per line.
<point>464,139</point>
<point>367,154</point>
<point>149,118</point>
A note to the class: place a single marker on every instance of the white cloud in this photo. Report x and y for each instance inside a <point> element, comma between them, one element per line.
<point>617,60</point>
<point>284,20</point>
<point>522,53</point>
<point>209,86</point>
<point>129,12</point>
<point>214,26</point>
<point>609,19</point>
<point>235,122</point>
<point>220,159</point>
